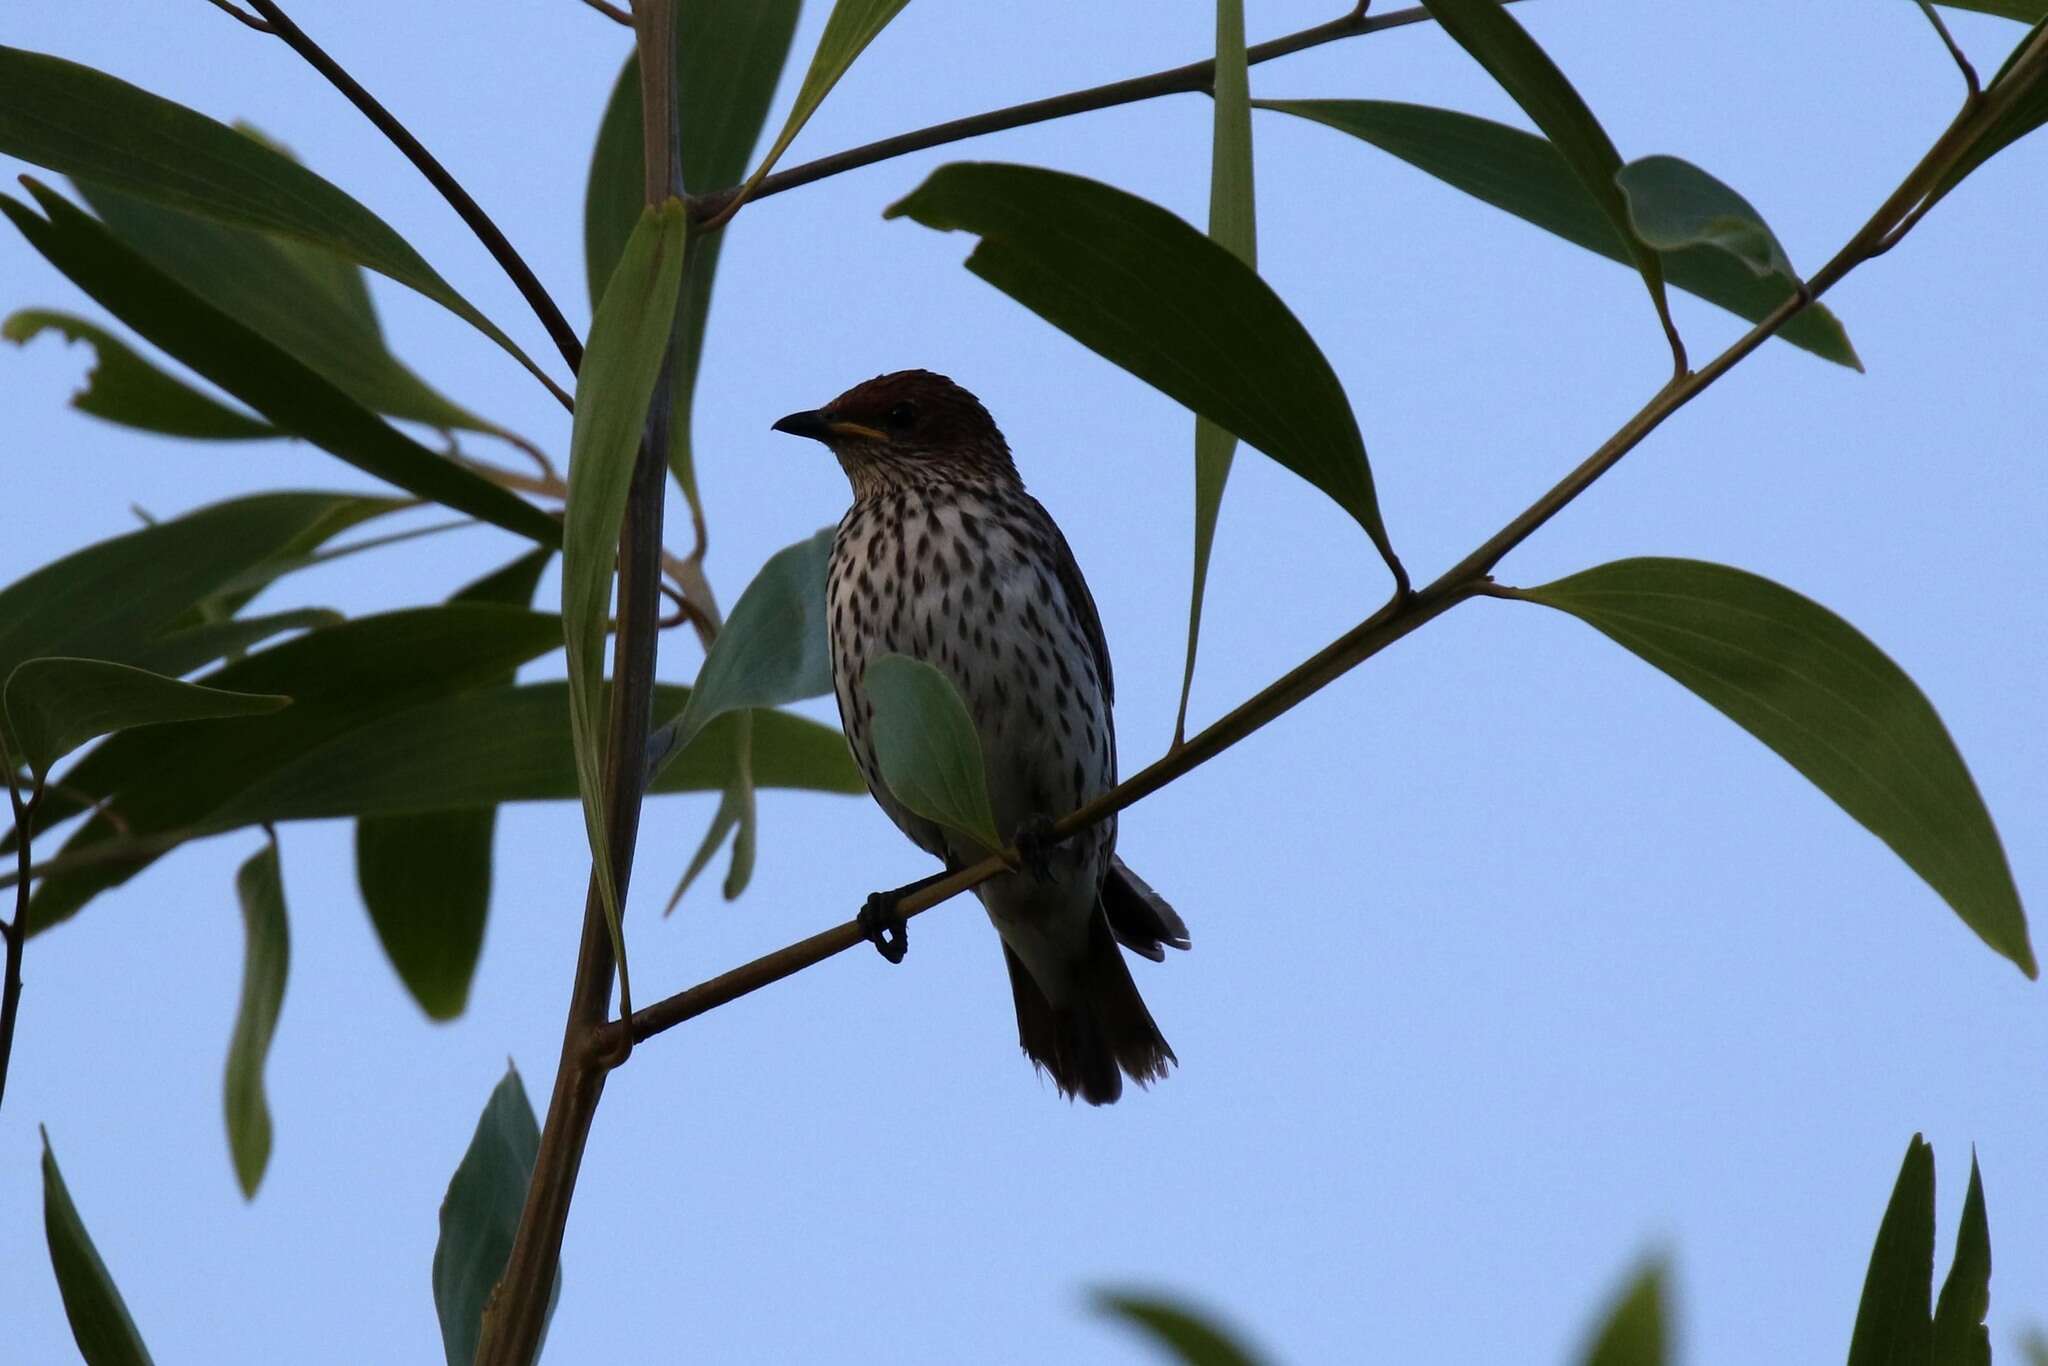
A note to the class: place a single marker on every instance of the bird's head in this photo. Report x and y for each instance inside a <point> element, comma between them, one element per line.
<point>906,429</point>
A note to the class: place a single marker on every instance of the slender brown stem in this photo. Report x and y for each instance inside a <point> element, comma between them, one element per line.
<point>611,12</point>
<point>243,16</point>
<point>1179,80</point>
<point>480,223</point>
<point>1468,578</point>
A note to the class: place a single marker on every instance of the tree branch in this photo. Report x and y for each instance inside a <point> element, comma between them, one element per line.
<point>1180,80</point>
<point>508,257</point>
<point>1470,577</point>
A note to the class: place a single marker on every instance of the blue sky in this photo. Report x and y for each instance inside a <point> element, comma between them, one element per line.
<point>1513,961</point>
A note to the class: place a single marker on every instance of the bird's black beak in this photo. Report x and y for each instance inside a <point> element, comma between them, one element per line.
<point>811,424</point>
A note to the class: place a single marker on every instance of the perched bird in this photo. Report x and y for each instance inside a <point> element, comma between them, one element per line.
<point>945,558</point>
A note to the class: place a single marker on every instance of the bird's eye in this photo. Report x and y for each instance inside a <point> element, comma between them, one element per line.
<point>901,417</point>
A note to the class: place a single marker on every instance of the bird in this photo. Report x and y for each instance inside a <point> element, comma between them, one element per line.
<point>945,557</point>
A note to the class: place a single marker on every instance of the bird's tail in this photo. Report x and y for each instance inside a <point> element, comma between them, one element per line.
<point>1102,1035</point>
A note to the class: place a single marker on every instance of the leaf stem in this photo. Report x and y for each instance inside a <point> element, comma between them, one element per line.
<point>480,223</point>
<point>15,931</point>
<point>1179,80</point>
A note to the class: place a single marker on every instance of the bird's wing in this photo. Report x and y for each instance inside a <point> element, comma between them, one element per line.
<point>1082,603</point>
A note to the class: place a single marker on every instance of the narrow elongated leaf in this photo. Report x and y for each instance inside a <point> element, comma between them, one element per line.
<point>1498,42</point>
<point>100,1324</point>
<point>927,748</point>
<point>2026,11</point>
<point>511,744</point>
<point>852,25</point>
<point>1814,689</point>
<point>166,779</point>
<point>122,387</point>
<point>266,958</point>
<point>275,384</point>
<point>1141,288</point>
<point>1178,1330</point>
<point>1673,204</point>
<point>1633,1334</point>
<point>142,583</point>
<point>480,1214</point>
<point>180,652</point>
<point>772,651</point>
<point>85,123</point>
<point>301,298</point>
<point>620,369</point>
<point>1892,1325</point>
<point>55,705</point>
<point>1233,226</point>
<point>1523,174</point>
<point>2028,111</point>
<point>426,877</point>
<point>1960,1338</point>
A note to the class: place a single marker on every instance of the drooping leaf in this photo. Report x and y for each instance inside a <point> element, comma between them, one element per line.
<point>1892,1325</point>
<point>1523,174</point>
<point>511,744</point>
<point>927,748</point>
<point>1233,226</point>
<point>1141,288</point>
<point>85,123</point>
<point>1498,42</point>
<point>620,370</point>
<point>2028,110</point>
<point>168,779</point>
<point>426,877</point>
<point>480,1215</point>
<point>1633,1333</point>
<point>1673,204</point>
<point>105,1334</point>
<point>266,958</point>
<point>269,380</point>
<point>1815,690</point>
<point>851,26</point>
<point>302,299</point>
<point>54,705</point>
<point>1960,1338</point>
<point>772,651</point>
<point>1176,1329</point>
<point>124,388</point>
<point>723,822</point>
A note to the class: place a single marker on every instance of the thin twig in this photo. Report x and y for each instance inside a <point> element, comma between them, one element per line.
<point>480,223</point>
<point>1189,79</point>
<point>1469,578</point>
<point>244,16</point>
<point>1948,41</point>
<point>609,11</point>
<point>15,930</point>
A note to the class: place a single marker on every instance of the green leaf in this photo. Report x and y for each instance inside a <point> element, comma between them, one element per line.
<point>1497,42</point>
<point>1178,1330</point>
<point>927,748</point>
<point>55,705</point>
<point>1633,1333</point>
<point>2026,11</point>
<point>620,370</point>
<point>480,1215</point>
<point>426,877</point>
<point>511,744</point>
<point>85,123</point>
<point>1673,204</point>
<point>1139,287</point>
<point>163,780</point>
<point>1526,176</point>
<point>1810,686</point>
<point>772,651</point>
<point>1233,226</point>
<point>1960,1338</point>
<point>731,809</point>
<point>852,25</point>
<point>180,652</point>
<point>1892,1325</point>
<point>100,1324</point>
<point>124,388</point>
<point>2028,111</point>
<point>302,299</point>
<point>266,957</point>
<point>272,382</point>
<point>143,583</point>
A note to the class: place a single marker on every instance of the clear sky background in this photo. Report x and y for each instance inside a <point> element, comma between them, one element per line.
<point>1513,961</point>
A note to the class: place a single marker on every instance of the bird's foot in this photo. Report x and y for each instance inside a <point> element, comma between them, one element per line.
<point>1035,840</point>
<point>881,922</point>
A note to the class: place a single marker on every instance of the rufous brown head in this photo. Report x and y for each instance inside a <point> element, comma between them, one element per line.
<point>905,429</point>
